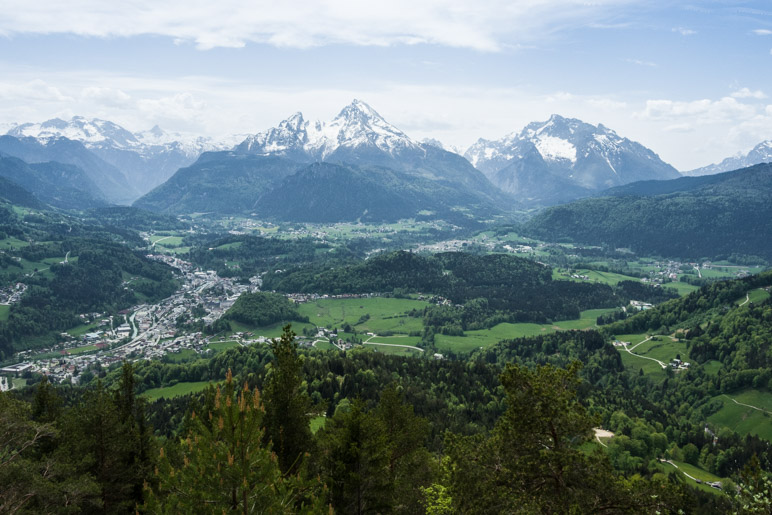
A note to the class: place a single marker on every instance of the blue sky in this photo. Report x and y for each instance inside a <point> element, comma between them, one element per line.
<point>691,80</point>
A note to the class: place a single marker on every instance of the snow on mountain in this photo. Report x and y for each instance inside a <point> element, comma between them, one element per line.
<point>761,153</point>
<point>357,125</point>
<point>432,142</point>
<point>146,158</point>
<point>563,152</point>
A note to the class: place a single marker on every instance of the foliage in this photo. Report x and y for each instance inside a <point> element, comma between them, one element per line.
<point>225,465</point>
<point>262,309</point>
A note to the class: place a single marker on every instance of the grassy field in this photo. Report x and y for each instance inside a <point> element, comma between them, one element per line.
<point>82,329</point>
<point>396,351</point>
<point>681,288</point>
<point>754,296</point>
<point>183,356</point>
<point>325,346</point>
<point>220,346</point>
<point>385,314</point>
<point>317,423</point>
<point>4,312</point>
<point>269,331</point>
<point>609,278</point>
<point>12,243</point>
<point>487,337</point>
<point>177,390</point>
<point>743,419</point>
<point>82,350</point>
<point>693,471</point>
<point>663,348</point>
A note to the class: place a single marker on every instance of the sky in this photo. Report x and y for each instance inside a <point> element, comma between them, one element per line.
<point>690,80</point>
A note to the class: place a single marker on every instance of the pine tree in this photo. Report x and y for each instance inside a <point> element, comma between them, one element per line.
<point>287,404</point>
<point>225,466</point>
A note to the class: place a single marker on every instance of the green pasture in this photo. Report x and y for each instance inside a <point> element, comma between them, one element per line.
<point>183,356</point>
<point>177,390</point>
<point>12,243</point>
<point>221,346</point>
<point>743,419</point>
<point>5,310</point>
<point>473,340</point>
<point>681,288</point>
<point>386,314</point>
<point>609,278</point>
<point>754,296</point>
<point>317,423</point>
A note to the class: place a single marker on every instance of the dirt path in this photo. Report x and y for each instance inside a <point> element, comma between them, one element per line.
<point>602,433</point>
<point>368,342</point>
<point>747,298</point>
<point>747,405</point>
<point>662,364</point>
<point>682,472</point>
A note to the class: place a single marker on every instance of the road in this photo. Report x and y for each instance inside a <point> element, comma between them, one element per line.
<point>682,472</point>
<point>747,298</point>
<point>602,433</point>
<point>161,239</point>
<point>748,405</point>
<point>662,364</point>
<point>368,342</point>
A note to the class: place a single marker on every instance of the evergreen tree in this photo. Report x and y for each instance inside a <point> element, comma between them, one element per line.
<point>287,404</point>
<point>225,466</point>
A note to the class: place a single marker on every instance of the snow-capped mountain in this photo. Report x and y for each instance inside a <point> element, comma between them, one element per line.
<point>357,160</point>
<point>439,144</point>
<point>357,126</point>
<point>146,158</point>
<point>761,153</point>
<point>564,158</point>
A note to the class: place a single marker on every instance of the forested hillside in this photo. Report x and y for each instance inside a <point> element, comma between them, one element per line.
<point>701,217</point>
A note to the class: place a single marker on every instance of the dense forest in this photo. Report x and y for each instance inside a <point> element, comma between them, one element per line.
<point>672,218</point>
<point>485,289</point>
<point>513,427</point>
<point>261,309</point>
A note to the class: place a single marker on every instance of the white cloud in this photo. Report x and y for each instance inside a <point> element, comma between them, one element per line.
<point>762,32</point>
<point>747,93</point>
<point>703,111</point>
<point>35,89</point>
<point>106,96</point>
<point>486,26</point>
<point>684,31</point>
<point>641,63</point>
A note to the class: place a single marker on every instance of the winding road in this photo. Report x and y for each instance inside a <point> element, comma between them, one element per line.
<point>662,364</point>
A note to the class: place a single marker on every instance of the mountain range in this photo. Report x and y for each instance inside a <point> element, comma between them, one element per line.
<point>146,158</point>
<point>545,163</point>
<point>370,171</point>
<point>564,159</point>
<point>761,153</point>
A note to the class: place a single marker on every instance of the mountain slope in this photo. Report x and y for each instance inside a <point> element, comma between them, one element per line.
<point>359,136</point>
<point>381,174</point>
<point>564,158</point>
<point>15,194</point>
<point>146,158</point>
<point>110,181</point>
<point>220,182</point>
<point>761,153</point>
<point>330,192</point>
<point>711,217</point>
<point>60,185</point>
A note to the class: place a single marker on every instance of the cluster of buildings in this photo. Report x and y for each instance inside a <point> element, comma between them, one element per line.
<point>13,293</point>
<point>144,331</point>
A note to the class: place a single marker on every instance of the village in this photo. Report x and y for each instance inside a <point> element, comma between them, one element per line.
<point>141,332</point>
